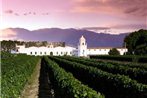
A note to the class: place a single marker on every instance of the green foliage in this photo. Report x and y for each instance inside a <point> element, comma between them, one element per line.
<point>134,73</point>
<point>8,45</point>
<point>112,85</point>
<point>127,58</point>
<point>136,42</point>
<point>15,72</point>
<point>65,85</point>
<point>11,45</point>
<point>114,51</point>
<point>126,64</point>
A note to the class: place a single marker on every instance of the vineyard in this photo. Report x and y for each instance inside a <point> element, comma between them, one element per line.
<point>15,72</point>
<point>74,77</point>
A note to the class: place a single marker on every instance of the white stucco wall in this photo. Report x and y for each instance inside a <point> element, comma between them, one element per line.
<point>67,50</point>
<point>57,51</point>
<point>104,51</point>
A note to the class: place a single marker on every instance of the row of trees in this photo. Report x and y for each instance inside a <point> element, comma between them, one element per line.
<point>136,42</point>
<point>11,45</point>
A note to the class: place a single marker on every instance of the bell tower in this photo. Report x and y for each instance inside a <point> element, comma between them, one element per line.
<point>82,47</point>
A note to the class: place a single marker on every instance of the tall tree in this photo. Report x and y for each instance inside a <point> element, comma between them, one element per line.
<point>136,42</point>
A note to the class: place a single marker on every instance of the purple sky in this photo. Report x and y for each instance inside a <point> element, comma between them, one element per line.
<point>119,15</point>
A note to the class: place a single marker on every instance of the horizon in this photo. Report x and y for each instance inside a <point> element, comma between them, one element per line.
<point>22,34</point>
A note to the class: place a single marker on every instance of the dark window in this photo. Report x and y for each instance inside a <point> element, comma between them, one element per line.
<point>61,52</point>
<point>51,53</point>
<point>40,52</point>
<point>30,52</point>
<point>57,52</point>
<point>66,53</point>
<point>35,52</point>
<point>44,52</point>
<point>82,43</point>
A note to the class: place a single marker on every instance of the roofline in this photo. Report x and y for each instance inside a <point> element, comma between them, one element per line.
<point>106,47</point>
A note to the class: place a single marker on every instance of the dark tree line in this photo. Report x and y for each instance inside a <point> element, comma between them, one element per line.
<point>136,42</point>
<point>8,45</point>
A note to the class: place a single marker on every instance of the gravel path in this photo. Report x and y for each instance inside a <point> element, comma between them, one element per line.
<point>39,85</point>
<point>31,88</point>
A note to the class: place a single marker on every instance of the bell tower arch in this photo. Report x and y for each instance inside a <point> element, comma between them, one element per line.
<point>82,47</point>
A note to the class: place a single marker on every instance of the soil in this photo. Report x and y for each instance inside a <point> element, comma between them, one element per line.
<point>39,85</point>
<point>31,88</point>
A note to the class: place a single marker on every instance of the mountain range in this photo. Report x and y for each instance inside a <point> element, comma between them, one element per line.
<point>70,36</point>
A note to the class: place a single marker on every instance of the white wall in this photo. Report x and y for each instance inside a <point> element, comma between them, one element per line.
<point>57,51</point>
<point>99,51</point>
<point>67,50</point>
<point>104,51</point>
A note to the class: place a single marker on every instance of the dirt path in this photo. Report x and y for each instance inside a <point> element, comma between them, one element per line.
<point>31,88</point>
<point>39,85</point>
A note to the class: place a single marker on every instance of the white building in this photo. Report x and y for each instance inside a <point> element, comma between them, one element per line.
<point>81,50</point>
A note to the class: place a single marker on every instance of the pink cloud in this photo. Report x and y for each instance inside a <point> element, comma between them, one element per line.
<point>8,34</point>
<point>9,11</point>
<point>128,7</point>
<point>16,14</point>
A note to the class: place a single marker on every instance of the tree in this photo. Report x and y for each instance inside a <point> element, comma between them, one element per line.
<point>114,51</point>
<point>136,42</point>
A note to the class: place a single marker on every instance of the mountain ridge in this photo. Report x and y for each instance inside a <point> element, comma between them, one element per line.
<point>70,36</point>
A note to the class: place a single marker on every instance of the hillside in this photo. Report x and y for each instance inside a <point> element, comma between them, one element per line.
<point>69,36</point>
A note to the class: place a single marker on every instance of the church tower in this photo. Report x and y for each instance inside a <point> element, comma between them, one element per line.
<point>82,47</point>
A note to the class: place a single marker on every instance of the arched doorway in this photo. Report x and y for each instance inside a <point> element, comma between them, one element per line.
<point>51,53</point>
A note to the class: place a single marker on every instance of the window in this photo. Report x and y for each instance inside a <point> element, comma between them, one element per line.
<point>35,52</point>
<point>57,53</point>
<point>30,52</point>
<point>83,51</point>
<point>40,52</point>
<point>66,53</point>
<point>82,43</point>
<point>61,52</point>
<point>51,53</point>
<point>44,52</point>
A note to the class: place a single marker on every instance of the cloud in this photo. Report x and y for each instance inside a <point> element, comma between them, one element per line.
<point>96,28</point>
<point>128,7</point>
<point>16,14</point>
<point>45,13</point>
<point>25,14</point>
<point>34,13</point>
<point>130,26</point>
<point>8,34</point>
<point>9,11</point>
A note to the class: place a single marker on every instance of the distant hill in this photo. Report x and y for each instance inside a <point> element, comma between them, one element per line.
<point>70,36</point>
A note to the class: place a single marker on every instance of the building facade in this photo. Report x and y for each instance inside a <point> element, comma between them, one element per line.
<point>82,50</point>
